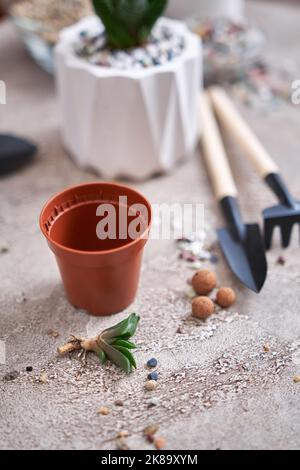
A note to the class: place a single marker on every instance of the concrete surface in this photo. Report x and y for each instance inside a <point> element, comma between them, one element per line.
<point>218,388</point>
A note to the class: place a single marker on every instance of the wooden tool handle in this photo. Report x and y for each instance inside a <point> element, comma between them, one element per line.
<point>241,132</point>
<point>214,152</point>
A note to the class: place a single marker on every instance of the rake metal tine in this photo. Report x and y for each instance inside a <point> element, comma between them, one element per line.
<point>268,235</point>
<point>286,232</point>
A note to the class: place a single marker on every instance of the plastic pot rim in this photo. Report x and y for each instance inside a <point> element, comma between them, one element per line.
<point>120,249</point>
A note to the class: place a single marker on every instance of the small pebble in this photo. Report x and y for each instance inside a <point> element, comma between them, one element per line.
<point>204,282</point>
<point>202,307</point>
<point>152,363</point>
<point>190,293</point>
<point>44,378</point>
<point>122,434</point>
<point>122,444</point>
<point>214,259</point>
<point>3,250</point>
<point>153,376</point>
<point>119,403</point>
<point>11,375</point>
<point>180,330</point>
<point>150,438</point>
<point>226,297</point>
<point>21,299</point>
<point>297,379</point>
<point>53,333</point>
<point>151,430</point>
<point>267,348</point>
<point>160,443</point>
<point>29,369</point>
<point>153,402</point>
<point>104,411</point>
<point>196,266</point>
<point>151,385</point>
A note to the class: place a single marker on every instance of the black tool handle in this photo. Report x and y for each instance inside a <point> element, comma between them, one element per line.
<point>278,186</point>
<point>232,214</point>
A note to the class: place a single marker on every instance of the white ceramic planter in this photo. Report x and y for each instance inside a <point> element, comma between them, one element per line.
<point>203,9</point>
<point>132,123</point>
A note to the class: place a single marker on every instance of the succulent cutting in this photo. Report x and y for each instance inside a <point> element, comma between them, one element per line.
<point>128,23</point>
<point>112,344</point>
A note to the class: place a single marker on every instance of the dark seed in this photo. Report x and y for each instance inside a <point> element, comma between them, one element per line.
<point>152,363</point>
<point>119,403</point>
<point>11,375</point>
<point>29,369</point>
<point>153,376</point>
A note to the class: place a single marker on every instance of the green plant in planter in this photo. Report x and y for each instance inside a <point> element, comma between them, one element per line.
<point>128,23</point>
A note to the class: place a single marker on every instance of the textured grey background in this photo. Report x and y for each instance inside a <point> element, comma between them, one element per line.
<point>218,389</point>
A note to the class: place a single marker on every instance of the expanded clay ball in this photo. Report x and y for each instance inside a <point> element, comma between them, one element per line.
<point>204,282</point>
<point>202,307</point>
<point>226,297</point>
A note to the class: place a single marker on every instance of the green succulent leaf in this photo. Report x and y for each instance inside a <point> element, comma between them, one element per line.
<point>113,343</point>
<point>123,330</point>
<point>102,357</point>
<point>117,357</point>
<point>123,343</point>
<point>128,23</point>
<point>127,354</point>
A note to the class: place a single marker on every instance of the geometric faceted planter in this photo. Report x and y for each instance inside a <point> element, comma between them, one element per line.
<point>128,123</point>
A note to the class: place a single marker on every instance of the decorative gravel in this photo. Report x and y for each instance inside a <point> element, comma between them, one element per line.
<point>163,46</point>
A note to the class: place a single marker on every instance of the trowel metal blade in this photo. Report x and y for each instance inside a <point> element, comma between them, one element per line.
<point>246,258</point>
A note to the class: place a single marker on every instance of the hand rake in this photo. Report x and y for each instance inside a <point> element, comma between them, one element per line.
<point>283,215</point>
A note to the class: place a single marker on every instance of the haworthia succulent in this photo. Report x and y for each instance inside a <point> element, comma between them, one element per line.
<point>114,345</point>
<point>128,23</point>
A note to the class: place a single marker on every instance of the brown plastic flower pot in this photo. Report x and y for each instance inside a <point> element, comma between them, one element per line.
<point>100,276</point>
